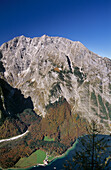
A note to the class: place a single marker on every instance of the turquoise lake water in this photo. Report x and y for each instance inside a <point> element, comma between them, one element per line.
<point>57,163</point>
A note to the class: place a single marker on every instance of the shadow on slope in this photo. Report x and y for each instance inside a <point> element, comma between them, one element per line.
<point>12,101</point>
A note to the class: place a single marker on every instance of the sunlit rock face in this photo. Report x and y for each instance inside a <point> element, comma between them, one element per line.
<point>48,68</point>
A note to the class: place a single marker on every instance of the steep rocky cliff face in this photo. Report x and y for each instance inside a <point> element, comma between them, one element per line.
<point>48,68</point>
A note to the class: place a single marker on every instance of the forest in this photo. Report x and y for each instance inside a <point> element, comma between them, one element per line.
<point>59,124</point>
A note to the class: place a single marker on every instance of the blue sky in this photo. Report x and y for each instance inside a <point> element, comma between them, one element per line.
<point>87,21</point>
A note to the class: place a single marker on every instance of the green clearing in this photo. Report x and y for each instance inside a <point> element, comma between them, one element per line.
<point>40,156</point>
<point>46,138</point>
<point>35,158</point>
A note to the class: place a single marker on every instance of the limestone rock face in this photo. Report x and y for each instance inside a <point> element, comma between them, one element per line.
<point>48,68</point>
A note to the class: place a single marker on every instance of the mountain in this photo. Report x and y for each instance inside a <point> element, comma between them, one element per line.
<point>54,87</point>
<point>48,68</point>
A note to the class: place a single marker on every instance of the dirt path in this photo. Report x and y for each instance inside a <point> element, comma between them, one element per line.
<point>15,137</point>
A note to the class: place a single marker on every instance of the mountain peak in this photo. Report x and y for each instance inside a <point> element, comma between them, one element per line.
<point>46,68</point>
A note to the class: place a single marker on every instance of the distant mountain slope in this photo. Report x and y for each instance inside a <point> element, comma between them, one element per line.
<point>48,68</point>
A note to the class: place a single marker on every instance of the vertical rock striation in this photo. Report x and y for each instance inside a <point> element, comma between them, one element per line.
<point>48,68</point>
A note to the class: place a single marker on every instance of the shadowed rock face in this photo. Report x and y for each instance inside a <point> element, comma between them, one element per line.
<point>48,68</point>
<point>12,101</point>
<point>2,69</point>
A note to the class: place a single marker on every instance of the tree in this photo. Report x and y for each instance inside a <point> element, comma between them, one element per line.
<point>91,152</point>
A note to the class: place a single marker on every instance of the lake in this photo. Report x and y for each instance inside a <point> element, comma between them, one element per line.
<point>58,162</point>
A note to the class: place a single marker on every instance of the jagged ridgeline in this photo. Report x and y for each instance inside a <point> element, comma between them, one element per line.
<point>52,87</point>
<point>48,68</point>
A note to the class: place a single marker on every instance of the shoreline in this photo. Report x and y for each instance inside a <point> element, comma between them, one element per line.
<point>56,157</point>
<point>60,156</point>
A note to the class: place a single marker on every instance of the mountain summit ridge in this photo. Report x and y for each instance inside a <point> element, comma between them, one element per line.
<point>48,68</point>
